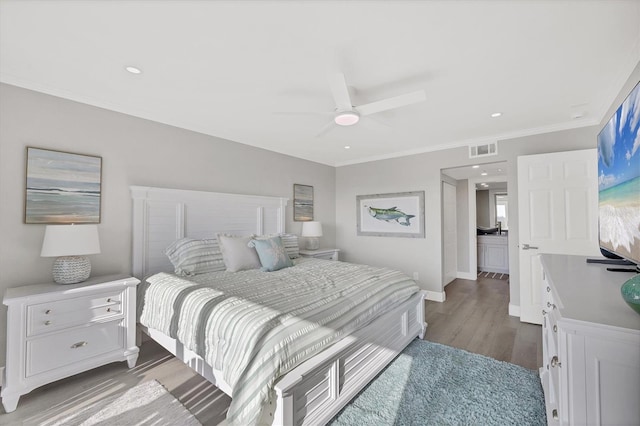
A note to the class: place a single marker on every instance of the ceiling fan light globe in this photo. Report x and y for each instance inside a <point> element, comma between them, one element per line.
<point>347,118</point>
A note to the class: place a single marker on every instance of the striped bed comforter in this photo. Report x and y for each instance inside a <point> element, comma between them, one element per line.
<point>256,326</point>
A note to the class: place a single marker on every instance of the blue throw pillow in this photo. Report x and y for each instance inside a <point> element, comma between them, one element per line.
<point>272,253</point>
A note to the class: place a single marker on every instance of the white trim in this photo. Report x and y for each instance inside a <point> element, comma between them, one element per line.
<point>574,124</point>
<point>2,376</point>
<point>467,276</point>
<point>436,296</point>
<point>514,310</point>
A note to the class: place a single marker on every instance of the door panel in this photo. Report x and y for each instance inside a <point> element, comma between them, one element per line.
<point>558,213</point>
<point>450,234</point>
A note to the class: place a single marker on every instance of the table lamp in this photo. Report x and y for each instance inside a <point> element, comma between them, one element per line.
<point>312,231</point>
<point>69,243</point>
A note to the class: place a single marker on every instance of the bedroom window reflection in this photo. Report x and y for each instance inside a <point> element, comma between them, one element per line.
<point>502,210</point>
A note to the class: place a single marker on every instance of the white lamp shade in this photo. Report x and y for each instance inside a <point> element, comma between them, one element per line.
<point>70,240</point>
<point>311,229</point>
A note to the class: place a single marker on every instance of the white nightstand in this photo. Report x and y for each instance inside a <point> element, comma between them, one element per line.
<point>55,331</point>
<point>327,254</point>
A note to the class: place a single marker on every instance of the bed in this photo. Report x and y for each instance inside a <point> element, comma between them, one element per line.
<point>310,392</point>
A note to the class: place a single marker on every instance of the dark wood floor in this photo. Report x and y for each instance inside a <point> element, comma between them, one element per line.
<point>473,318</point>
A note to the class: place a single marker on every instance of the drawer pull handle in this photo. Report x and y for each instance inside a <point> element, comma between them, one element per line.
<point>551,305</point>
<point>548,289</point>
<point>79,345</point>
<point>555,362</point>
<point>109,300</point>
<point>47,322</point>
<point>108,309</point>
<point>544,312</point>
<point>47,312</point>
<point>555,328</point>
<point>554,414</point>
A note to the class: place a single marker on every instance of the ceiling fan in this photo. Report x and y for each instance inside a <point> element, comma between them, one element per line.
<point>347,114</point>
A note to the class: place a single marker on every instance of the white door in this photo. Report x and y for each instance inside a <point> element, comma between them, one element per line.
<point>557,213</point>
<point>449,233</point>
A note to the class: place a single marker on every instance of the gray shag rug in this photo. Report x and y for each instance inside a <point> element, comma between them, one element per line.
<point>434,384</point>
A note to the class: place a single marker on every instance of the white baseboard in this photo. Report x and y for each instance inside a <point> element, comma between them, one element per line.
<point>2,376</point>
<point>514,310</point>
<point>467,276</point>
<point>436,296</point>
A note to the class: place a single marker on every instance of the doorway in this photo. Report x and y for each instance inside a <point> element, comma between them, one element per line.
<point>492,178</point>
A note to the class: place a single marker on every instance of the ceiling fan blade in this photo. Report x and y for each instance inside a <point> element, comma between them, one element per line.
<point>325,113</point>
<point>377,125</point>
<point>326,129</point>
<point>340,92</point>
<point>391,103</point>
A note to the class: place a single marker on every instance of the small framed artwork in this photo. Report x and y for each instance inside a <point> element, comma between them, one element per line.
<point>302,202</point>
<point>62,187</point>
<point>399,214</point>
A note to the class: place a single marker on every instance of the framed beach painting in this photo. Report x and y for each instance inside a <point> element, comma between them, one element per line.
<point>391,215</point>
<point>62,187</point>
<point>302,202</point>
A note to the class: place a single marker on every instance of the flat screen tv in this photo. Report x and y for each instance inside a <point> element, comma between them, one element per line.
<point>619,180</point>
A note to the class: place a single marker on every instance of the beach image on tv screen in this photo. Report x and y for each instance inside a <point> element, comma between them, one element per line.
<point>619,180</point>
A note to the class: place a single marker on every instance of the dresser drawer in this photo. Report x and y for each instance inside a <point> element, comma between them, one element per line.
<point>61,314</point>
<point>68,347</point>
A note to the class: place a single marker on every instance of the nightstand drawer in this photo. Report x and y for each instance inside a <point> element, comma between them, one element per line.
<point>61,314</point>
<point>60,349</point>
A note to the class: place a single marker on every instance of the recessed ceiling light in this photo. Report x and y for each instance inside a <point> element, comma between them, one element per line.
<point>475,167</point>
<point>133,70</point>
<point>347,147</point>
<point>483,174</point>
<point>496,114</point>
<point>346,118</point>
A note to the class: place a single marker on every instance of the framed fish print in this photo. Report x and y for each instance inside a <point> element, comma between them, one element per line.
<point>62,187</point>
<point>302,202</point>
<point>391,215</point>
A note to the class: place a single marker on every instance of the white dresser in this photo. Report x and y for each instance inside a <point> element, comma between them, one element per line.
<point>591,345</point>
<point>55,331</point>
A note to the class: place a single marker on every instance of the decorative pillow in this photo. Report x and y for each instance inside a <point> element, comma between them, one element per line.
<point>237,254</point>
<point>289,241</point>
<point>272,253</point>
<point>192,257</point>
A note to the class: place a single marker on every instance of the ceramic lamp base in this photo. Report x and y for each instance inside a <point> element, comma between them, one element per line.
<point>313,243</point>
<point>71,269</point>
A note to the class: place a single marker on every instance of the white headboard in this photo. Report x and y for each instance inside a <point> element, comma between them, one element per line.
<point>161,216</point>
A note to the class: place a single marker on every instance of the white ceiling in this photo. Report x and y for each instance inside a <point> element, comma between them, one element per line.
<point>227,68</point>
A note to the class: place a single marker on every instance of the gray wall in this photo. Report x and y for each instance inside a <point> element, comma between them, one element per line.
<point>422,172</point>
<point>482,208</point>
<point>134,152</point>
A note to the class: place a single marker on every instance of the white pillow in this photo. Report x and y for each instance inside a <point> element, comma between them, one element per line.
<point>192,257</point>
<point>237,254</point>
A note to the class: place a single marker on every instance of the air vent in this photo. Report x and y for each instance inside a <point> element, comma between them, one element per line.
<point>483,150</point>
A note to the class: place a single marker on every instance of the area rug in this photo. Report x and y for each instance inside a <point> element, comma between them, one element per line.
<point>493,275</point>
<point>148,403</point>
<point>433,384</point>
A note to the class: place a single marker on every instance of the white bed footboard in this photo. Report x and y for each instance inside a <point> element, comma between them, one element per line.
<point>315,391</point>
